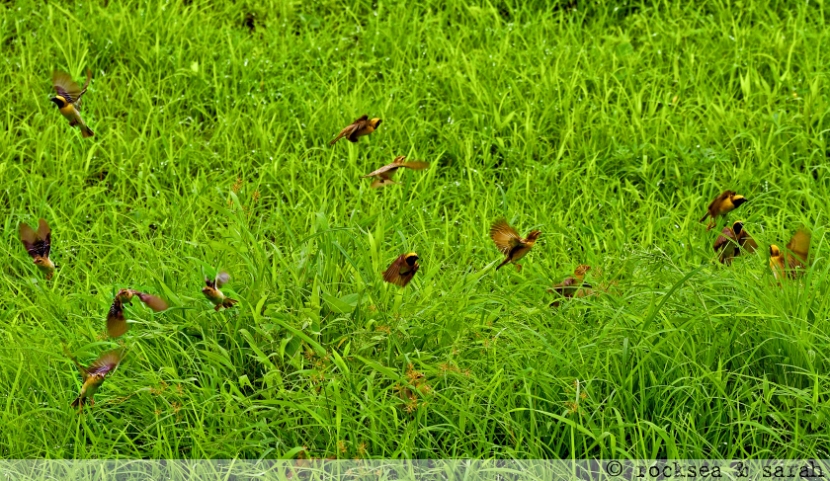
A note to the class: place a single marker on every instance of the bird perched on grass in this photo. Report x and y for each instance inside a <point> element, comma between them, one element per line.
<point>358,128</point>
<point>94,375</point>
<point>214,295</point>
<point>726,202</point>
<point>68,99</point>
<point>385,173</point>
<point>732,240</point>
<point>794,261</point>
<point>116,323</point>
<point>510,244</point>
<point>402,270</point>
<point>38,245</point>
<point>572,286</point>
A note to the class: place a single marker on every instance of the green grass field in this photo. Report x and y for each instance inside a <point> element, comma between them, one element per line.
<point>609,128</point>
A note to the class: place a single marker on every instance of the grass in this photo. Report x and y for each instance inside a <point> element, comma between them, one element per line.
<point>607,127</point>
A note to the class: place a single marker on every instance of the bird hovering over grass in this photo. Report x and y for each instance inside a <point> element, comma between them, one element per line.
<point>94,375</point>
<point>510,244</point>
<point>116,323</point>
<point>68,99</point>
<point>726,202</point>
<point>574,286</point>
<point>38,245</point>
<point>792,263</point>
<point>732,240</point>
<point>214,295</point>
<point>358,128</point>
<point>402,270</point>
<point>385,173</point>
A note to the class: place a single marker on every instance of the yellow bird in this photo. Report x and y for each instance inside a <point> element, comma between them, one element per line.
<point>358,128</point>
<point>385,173</point>
<point>792,263</point>
<point>402,270</point>
<point>510,243</point>
<point>94,375</point>
<point>732,240</point>
<point>726,202</point>
<point>116,322</point>
<point>214,295</point>
<point>39,245</point>
<point>574,286</point>
<point>68,99</point>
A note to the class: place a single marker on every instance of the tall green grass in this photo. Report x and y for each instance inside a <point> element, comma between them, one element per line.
<point>609,128</point>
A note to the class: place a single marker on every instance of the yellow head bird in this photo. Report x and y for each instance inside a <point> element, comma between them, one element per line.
<point>726,202</point>
<point>402,270</point>
<point>385,173</point>
<point>358,128</point>
<point>116,322</point>
<point>510,244</point>
<point>94,375</point>
<point>793,263</point>
<point>732,240</point>
<point>68,99</point>
<point>38,245</point>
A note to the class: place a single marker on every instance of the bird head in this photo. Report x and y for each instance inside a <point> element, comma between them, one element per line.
<point>582,269</point>
<point>375,122</point>
<point>411,259</point>
<point>737,200</point>
<point>774,251</point>
<point>40,261</point>
<point>125,295</point>
<point>533,235</point>
<point>59,101</point>
<point>737,227</point>
<point>210,292</point>
<point>399,159</point>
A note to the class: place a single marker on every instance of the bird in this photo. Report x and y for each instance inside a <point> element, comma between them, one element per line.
<point>94,375</point>
<point>116,323</point>
<point>385,173</point>
<point>794,261</point>
<point>726,202</point>
<point>358,128</point>
<point>38,245</point>
<point>214,295</point>
<point>402,270</point>
<point>732,240</point>
<point>68,99</point>
<point>510,244</point>
<point>573,286</point>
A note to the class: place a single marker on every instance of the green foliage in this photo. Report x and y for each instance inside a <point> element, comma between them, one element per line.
<point>609,128</point>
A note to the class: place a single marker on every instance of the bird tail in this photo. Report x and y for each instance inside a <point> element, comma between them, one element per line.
<point>86,131</point>
<point>77,402</point>
<point>704,217</point>
<point>228,302</point>
<point>506,261</point>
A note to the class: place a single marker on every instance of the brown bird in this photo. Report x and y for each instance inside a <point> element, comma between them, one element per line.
<point>732,240</point>
<point>793,263</point>
<point>214,295</point>
<point>358,128</point>
<point>116,323</point>
<point>94,375</point>
<point>402,270</point>
<point>68,99</point>
<point>38,245</point>
<point>510,244</point>
<point>573,286</point>
<point>385,173</point>
<point>726,202</point>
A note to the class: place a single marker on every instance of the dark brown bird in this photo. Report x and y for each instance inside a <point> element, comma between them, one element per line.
<point>358,128</point>
<point>385,173</point>
<point>402,270</point>
<point>572,286</point>
<point>726,202</point>
<point>510,244</point>
<point>38,245</point>
<point>214,295</point>
<point>732,240</point>
<point>116,323</point>
<point>792,263</point>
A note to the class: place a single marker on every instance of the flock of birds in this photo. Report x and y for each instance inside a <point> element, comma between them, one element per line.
<point>733,241</point>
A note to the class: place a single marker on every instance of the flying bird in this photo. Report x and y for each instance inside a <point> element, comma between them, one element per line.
<point>68,99</point>
<point>794,261</point>
<point>402,270</point>
<point>358,128</point>
<point>116,323</point>
<point>510,244</point>
<point>38,245</point>
<point>726,202</point>
<point>214,295</point>
<point>572,286</point>
<point>732,240</point>
<point>385,173</point>
<point>94,375</point>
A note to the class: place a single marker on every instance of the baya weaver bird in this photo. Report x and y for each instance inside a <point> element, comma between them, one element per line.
<point>510,243</point>
<point>214,295</point>
<point>68,98</point>
<point>794,261</point>
<point>94,375</point>
<point>38,244</point>
<point>385,173</point>
<point>732,240</point>
<point>726,202</point>
<point>402,270</point>
<point>358,128</point>
<point>116,322</point>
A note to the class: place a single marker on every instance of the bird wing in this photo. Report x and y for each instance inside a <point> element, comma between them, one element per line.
<point>415,165</point>
<point>395,275</point>
<point>116,323</point>
<point>106,362</point>
<point>390,169</point>
<point>800,245</point>
<point>382,182</point>
<point>155,303</point>
<point>222,278</point>
<point>34,244</point>
<point>505,237</point>
<point>45,234</point>
<point>747,242</point>
<point>351,128</point>
<point>65,86</point>
<point>727,235</point>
